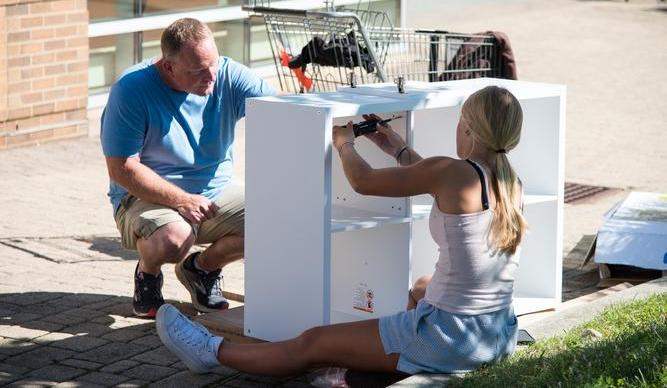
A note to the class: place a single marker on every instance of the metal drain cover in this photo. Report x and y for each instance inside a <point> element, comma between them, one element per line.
<point>575,192</point>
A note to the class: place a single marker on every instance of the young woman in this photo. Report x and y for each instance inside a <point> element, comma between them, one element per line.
<point>459,318</point>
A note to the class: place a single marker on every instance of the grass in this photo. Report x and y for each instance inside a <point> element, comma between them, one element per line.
<point>632,351</point>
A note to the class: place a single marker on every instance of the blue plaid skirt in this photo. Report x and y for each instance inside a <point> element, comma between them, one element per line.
<point>432,340</point>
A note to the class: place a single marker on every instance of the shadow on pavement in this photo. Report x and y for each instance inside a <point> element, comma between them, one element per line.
<point>85,338</point>
<point>110,246</point>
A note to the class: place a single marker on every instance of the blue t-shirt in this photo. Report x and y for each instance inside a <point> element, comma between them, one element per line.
<point>185,138</point>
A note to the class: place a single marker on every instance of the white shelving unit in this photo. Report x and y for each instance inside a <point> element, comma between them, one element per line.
<point>317,252</point>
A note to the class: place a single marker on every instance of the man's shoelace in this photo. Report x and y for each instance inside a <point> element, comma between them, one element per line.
<point>211,282</point>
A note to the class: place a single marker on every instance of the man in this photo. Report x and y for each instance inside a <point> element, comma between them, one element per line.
<point>167,135</point>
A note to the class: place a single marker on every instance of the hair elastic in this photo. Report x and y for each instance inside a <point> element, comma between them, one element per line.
<point>501,151</point>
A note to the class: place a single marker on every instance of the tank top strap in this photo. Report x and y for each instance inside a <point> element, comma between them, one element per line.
<point>482,179</point>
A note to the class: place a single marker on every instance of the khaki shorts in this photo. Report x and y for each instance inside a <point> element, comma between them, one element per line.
<point>136,218</point>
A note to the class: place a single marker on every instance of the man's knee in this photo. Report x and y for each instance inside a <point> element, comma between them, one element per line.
<point>171,241</point>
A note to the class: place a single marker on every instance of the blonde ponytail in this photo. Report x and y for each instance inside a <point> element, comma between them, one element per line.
<point>495,118</point>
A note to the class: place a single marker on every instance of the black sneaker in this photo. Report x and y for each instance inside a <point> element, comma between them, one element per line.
<point>147,293</point>
<point>205,290</point>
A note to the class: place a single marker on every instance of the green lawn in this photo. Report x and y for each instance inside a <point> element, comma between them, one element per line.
<point>632,351</point>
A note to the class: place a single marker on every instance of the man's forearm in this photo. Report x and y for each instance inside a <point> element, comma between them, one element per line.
<point>144,183</point>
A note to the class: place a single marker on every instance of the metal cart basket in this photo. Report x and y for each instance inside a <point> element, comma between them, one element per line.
<point>317,51</point>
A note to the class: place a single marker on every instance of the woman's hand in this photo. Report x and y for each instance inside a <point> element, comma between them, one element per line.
<point>385,137</point>
<point>342,135</point>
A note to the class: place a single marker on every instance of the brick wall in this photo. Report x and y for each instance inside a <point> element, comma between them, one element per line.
<point>43,70</point>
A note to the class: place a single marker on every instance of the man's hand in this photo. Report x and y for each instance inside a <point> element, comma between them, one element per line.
<point>196,208</point>
<point>385,138</point>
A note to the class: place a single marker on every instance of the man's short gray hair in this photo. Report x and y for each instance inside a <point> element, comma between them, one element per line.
<point>180,33</point>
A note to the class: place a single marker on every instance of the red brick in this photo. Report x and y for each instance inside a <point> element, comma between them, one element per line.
<point>8,126</point>
<point>66,131</point>
<point>31,98</point>
<point>68,79</point>
<point>18,113</point>
<point>77,17</point>
<point>80,114</point>
<point>43,109</point>
<point>16,140</point>
<point>81,41</point>
<point>18,36</point>
<point>29,122</point>
<point>66,31</point>
<point>42,33</point>
<point>17,10</point>
<point>52,118</point>
<point>55,94</point>
<point>18,87</point>
<point>33,21</point>
<point>31,48</point>
<point>32,72</point>
<point>54,20</point>
<point>13,24</point>
<point>42,7</point>
<point>62,5</point>
<point>69,104</point>
<point>54,45</point>
<point>66,55</point>
<point>13,50</point>
<point>55,69</point>
<point>43,58</point>
<point>42,135</point>
<point>43,83</point>
<point>18,61</point>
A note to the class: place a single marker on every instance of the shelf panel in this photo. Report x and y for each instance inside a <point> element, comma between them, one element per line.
<point>345,219</point>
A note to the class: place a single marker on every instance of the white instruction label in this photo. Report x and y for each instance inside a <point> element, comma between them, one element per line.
<point>362,298</point>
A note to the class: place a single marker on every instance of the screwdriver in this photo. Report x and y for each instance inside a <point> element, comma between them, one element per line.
<point>370,126</point>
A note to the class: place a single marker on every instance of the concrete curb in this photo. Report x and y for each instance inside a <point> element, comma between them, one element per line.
<point>575,316</point>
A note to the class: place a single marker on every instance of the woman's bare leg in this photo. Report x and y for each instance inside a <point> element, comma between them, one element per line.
<point>418,291</point>
<point>354,345</point>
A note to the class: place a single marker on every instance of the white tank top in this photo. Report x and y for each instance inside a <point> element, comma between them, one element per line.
<point>470,276</point>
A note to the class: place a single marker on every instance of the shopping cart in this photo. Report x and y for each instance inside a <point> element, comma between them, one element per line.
<point>317,51</point>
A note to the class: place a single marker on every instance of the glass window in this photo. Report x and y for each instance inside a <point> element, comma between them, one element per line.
<point>167,6</point>
<point>105,10</point>
<point>260,49</point>
<point>109,57</point>
<point>228,37</point>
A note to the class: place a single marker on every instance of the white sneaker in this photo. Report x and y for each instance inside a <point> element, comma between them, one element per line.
<point>190,341</point>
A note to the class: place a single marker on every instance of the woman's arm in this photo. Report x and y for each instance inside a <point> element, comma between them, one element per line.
<point>391,143</point>
<point>421,177</point>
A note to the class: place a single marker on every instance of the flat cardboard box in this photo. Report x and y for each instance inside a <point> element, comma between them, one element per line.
<point>635,232</point>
